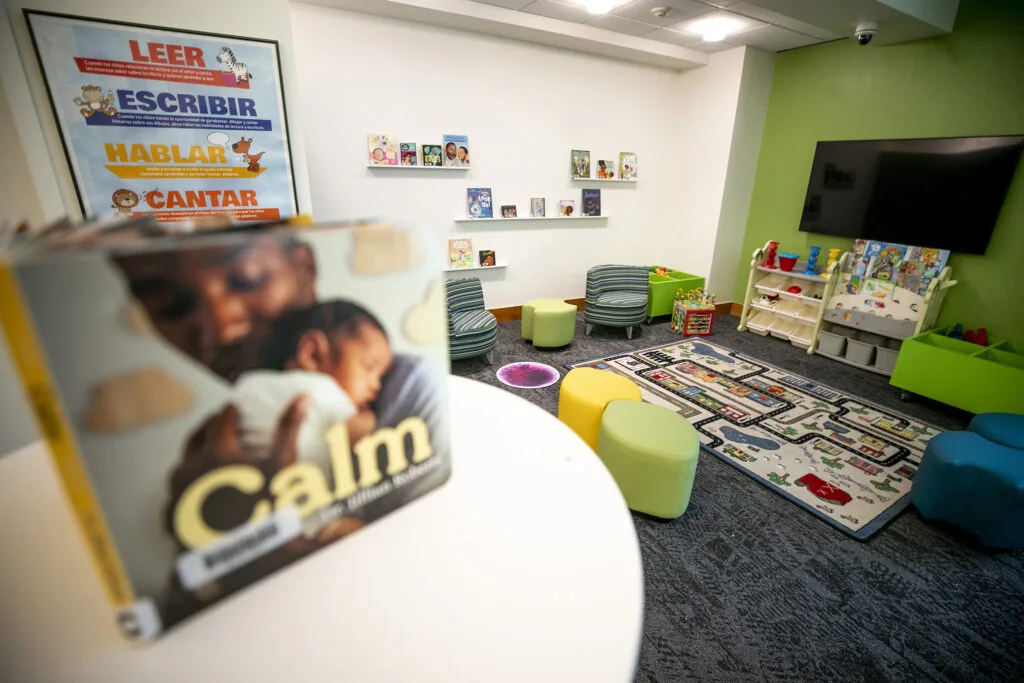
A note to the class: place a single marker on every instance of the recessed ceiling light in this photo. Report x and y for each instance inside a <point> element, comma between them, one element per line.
<point>716,26</point>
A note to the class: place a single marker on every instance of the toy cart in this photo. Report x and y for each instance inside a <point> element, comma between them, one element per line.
<point>693,314</point>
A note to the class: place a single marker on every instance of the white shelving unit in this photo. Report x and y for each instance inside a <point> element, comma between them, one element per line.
<point>463,270</point>
<point>794,317</point>
<point>400,167</point>
<point>603,180</point>
<point>526,218</point>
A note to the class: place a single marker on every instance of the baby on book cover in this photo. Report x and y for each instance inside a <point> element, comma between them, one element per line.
<point>240,401</point>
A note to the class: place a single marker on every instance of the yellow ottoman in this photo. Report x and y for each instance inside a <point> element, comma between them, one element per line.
<point>583,396</point>
<point>549,322</point>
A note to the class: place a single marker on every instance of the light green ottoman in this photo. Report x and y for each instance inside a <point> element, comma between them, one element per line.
<point>651,452</point>
<point>549,322</point>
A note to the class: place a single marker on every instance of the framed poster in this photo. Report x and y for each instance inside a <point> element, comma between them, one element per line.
<point>176,124</point>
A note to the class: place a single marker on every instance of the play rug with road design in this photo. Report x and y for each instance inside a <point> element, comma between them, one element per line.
<point>843,458</point>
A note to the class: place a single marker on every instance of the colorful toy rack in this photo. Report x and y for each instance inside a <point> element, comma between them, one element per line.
<point>693,313</point>
<point>770,307</point>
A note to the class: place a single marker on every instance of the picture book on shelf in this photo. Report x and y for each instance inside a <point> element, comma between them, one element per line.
<point>382,150</point>
<point>456,150</point>
<point>538,208</point>
<point>408,153</point>
<point>591,202</point>
<point>566,207</point>
<point>508,211</point>
<point>487,257</point>
<point>606,169</point>
<point>580,163</point>
<point>627,166</point>
<point>460,253</point>
<point>432,155</point>
<point>202,452</point>
<point>478,200</point>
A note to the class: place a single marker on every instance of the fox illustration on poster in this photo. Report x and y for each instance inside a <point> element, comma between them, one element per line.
<point>173,124</point>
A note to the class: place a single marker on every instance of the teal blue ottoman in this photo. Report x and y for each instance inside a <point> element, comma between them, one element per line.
<point>974,484</point>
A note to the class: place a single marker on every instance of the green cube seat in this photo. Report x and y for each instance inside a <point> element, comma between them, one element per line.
<point>549,322</point>
<point>651,452</point>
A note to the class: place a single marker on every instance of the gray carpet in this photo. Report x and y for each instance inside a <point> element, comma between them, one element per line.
<point>746,586</point>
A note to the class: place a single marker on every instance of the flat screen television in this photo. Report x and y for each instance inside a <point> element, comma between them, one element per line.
<point>944,193</point>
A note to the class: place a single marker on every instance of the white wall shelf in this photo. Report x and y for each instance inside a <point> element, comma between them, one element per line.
<point>602,180</point>
<point>526,218</point>
<point>400,167</point>
<point>462,270</point>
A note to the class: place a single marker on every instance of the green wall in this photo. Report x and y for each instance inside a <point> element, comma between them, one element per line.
<point>965,84</point>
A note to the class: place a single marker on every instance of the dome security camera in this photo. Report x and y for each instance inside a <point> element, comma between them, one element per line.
<point>865,32</point>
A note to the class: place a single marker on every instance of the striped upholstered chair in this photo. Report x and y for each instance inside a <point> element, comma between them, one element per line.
<point>472,329</point>
<point>616,297</point>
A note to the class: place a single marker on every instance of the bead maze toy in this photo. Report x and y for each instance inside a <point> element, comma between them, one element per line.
<point>693,313</point>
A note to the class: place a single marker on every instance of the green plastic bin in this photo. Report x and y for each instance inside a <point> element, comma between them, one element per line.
<point>662,290</point>
<point>979,379</point>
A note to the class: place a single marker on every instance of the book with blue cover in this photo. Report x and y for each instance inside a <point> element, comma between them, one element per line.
<point>478,202</point>
<point>456,150</point>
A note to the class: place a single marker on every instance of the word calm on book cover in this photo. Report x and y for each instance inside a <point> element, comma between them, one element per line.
<point>200,455</point>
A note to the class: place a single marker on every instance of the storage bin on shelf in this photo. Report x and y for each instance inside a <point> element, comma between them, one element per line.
<point>782,327</point>
<point>886,354</point>
<point>760,322</point>
<point>859,352</point>
<point>832,340</point>
<point>802,335</point>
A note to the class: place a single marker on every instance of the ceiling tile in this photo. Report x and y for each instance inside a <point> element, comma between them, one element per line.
<point>749,9</point>
<point>510,4</point>
<point>610,22</point>
<point>665,36</point>
<point>775,38</point>
<point>559,10</point>
<point>721,3</point>
<point>808,29</point>
<point>738,22</point>
<point>717,46</point>
<point>681,11</point>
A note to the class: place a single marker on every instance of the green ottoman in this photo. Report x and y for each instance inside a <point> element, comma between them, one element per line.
<point>651,452</point>
<point>549,322</point>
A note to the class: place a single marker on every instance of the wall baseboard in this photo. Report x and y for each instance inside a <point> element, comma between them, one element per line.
<point>508,313</point>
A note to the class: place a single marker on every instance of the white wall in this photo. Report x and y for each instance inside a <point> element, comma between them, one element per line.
<point>524,107</point>
<point>268,19</point>
<point>22,83</point>
<point>745,145</point>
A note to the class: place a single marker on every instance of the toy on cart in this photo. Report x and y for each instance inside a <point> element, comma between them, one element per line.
<point>693,313</point>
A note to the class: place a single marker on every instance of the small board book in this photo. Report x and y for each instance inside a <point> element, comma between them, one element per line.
<point>456,150</point>
<point>580,163</point>
<point>487,257</point>
<point>408,153</point>
<point>538,208</point>
<point>478,200</point>
<point>460,253</point>
<point>627,166</point>
<point>566,207</point>
<point>508,211</point>
<point>591,202</point>
<point>606,169</point>
<point>432,155</point>
<point>175,516</point>
<point>382,150</point>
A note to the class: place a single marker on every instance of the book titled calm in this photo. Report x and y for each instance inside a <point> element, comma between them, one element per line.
<point>222,405</point>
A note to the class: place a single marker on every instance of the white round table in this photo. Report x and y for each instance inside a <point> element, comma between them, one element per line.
<point>523,568</point>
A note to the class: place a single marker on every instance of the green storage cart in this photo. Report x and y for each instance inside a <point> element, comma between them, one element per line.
<point>979,379</point>
<point>662,290</point>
